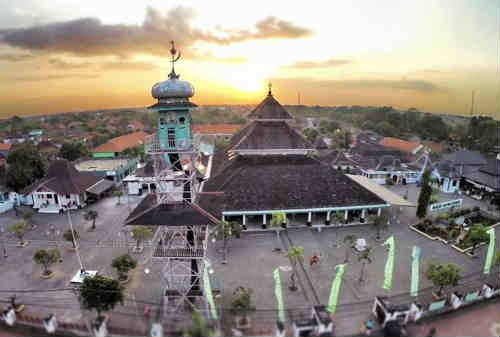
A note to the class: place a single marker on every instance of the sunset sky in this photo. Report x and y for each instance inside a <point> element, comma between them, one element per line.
<point>69,55</point>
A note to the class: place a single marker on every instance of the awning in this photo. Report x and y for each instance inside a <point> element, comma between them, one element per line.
<point>382,192</point>
<point>101,186</point>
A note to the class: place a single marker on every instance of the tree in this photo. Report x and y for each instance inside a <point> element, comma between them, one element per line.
<point>28,216</point>
<point>100,293</point>
<point>364,258</point>
<point>73,151</point>
<point>118,193</point>
<point>277,220</point>
<point>140,234</point>
<point>71,236</point>
<point>19,229</point>
<point>25,166</point>
<point>225,232</point>
<point>310,134</point>
<point>91,215</point>
<point>381,223</point>
<point>349,243</point>
<point>425,195</point>
<point>443,275</point>
<point>46,258</point>
<point>477,234</point>
<point>295,254</point>
<point>496,259</point>
<point>198,327</point>
<point>123,264</point>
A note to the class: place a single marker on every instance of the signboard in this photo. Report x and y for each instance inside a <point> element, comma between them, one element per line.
<point>445,204</point>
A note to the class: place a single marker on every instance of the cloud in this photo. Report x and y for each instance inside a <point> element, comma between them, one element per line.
<point>65,65</point>
<point>411,85</point>
<point>318,64</point>
<point>90,37</point>
<point>62,64</point>
<point>15,57</point>
<point>38,78</point>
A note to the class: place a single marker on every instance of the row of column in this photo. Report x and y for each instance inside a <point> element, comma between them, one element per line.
<point>309,217</point>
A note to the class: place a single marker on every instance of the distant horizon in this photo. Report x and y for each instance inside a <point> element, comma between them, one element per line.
<point>65,55</point>
<point>38,115</point>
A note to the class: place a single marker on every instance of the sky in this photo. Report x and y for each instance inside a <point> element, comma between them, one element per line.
<point>69,55</point>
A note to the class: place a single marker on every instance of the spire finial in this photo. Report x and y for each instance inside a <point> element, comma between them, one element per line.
<point>175,57</point>
<point>269,85</point>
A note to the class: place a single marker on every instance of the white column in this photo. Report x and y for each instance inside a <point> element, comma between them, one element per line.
<point>244,220</point>
<point>264,218</point>
<point>328,216</point>
<point>309,217</point>
<point>379,211</point>
<point>346,215</point>
<point>363,213</point>
<point>223,218</point>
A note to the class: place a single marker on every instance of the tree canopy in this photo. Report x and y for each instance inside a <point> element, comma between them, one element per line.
<point>25,167</point>
<point>101,293</point>
<point>425,195</point>
<point>73,151</point>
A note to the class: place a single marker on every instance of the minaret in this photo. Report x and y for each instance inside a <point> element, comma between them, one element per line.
<point>173,150</point>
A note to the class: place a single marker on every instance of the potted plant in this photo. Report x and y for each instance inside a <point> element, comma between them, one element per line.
<point>241,304</point>
<point>16,306</point>
<point>91,215</point>
<point>295,254</point>
<point>71,236</point>
<point>123,264</point>
<point>225,232</point>
<point>477,234</point>
<point>140,233</point>
<point>19,229</point>
<point>278,221</point>
<point>46,258</point>
<point>442,275</point>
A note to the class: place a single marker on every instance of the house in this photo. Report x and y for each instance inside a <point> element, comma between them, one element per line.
<point>113,147</point>
<point>483,183</point>
<point>401,145</point>
<point>135,126</point>
<point>216,129</point>
<point>4,149</point>
<point>113,169</point>
<point>64,188</point>
<point>48,149</point>
<point>455,165</point>
<point>35,135</point>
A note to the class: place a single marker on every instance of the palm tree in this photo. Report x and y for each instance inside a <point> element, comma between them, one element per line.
<point>277,220</point>
<point>349,242</point>
<point>91,215</point>
<point>295,254</point>
<point>118,193</point>
<point>226,232</point>
<point>364,258</point>
<point>140,234</point>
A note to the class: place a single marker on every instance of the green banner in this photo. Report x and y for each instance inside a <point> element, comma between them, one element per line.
<point>414,270</point>
<point>334,292</point>
<point>279,295</point>
<point>389,265</point>
<point>491,249</point>
<point>208,290</point>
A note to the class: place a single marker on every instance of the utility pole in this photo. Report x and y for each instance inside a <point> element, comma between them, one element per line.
<point>472,105</point>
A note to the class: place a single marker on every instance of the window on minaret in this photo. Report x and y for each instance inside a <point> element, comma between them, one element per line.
<point>182,120</point>
<point>162,121</point>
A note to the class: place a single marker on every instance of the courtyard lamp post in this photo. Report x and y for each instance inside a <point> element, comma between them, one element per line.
<point>2,231</point>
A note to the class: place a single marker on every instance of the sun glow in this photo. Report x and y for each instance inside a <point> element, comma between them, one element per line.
<point>248,78</point>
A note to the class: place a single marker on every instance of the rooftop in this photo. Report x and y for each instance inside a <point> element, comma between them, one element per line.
<point>465,157</point>
<point>269,108</point>
<point>279,182</point>
<point>399,144</point>
<point>101,164</point>
<point>122,143</point>
<point>216,129</point>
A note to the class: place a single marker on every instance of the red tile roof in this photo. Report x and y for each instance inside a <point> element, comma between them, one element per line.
<point>399,144</point>
<point>214,129</point>
<point>137,125</point>
<point>5,147</point>
<point>122,143</point>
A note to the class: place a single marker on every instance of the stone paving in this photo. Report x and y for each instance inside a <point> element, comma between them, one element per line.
<point>251,261</point>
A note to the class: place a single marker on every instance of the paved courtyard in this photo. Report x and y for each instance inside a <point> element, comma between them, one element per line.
<point>251,261</point>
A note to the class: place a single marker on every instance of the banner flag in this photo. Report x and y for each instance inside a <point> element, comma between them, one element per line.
<point>279,295</point>
<point>491,249</point>
<point>389,265</point>
<point>414,270</point>
<point>208,291</point>
<point>334,292</point>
